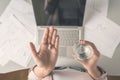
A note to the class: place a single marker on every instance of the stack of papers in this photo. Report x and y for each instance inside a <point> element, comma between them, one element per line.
<point>17,29</point>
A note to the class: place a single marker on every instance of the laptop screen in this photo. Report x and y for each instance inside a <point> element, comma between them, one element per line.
<point>59,12</point>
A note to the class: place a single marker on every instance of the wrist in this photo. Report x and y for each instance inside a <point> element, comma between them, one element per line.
<point>91,68</point>
<point>94,72</point>
<point>41,72</point>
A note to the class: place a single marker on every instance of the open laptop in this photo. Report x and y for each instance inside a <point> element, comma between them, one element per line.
<point>65,15</point>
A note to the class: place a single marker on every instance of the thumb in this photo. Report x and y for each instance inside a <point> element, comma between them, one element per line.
<point>77,59</point>
<point>33,49</point>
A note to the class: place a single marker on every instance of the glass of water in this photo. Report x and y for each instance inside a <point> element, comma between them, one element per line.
<point>83,52</point>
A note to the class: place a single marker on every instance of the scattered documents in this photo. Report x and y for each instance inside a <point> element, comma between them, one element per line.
<point>104,33</point>
<point>15,43</point>
<point>17,29</point>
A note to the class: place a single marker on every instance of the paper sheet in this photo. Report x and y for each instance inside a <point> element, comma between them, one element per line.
<point>92,6</point>
<point>2,61</point>
<point>3,31</point>
<point>101,6</point>
<point>104,33</point>
<point>15,43</point>
<point>24,13</point>
<point>23,18</point>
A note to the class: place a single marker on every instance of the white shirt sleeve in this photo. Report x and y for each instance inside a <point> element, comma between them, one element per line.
<point>32,76</point>
<point>66,74</point>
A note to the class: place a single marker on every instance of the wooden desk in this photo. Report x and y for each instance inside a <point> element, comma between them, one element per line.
<point>113,77</point>
<point>16,75</point>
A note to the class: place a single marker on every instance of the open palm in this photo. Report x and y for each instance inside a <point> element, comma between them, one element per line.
<point>46,57</point>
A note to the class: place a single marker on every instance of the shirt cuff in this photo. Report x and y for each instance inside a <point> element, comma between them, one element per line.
<point>32,76</point>
<point>103,75</point>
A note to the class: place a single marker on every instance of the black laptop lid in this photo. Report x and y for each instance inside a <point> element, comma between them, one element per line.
<point>59,12</point>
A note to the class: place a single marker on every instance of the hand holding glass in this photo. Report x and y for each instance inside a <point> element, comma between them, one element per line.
<point>83,52</point>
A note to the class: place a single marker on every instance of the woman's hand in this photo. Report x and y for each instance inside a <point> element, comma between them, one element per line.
<point>47,55</point>
<point>90,64</point>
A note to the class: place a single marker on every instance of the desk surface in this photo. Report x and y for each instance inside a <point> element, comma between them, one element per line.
<point>112,66</point>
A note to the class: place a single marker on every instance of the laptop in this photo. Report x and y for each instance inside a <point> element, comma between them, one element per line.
<point>67,16</point>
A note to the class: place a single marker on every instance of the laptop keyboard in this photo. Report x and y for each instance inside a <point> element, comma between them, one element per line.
<point>67,37</point>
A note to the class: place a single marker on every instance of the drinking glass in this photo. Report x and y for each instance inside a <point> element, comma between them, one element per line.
<point>83,52</point>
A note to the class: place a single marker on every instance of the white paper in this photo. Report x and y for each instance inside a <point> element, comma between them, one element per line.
<point>15,43</point>
<point>104,33</point>
<point>24,13</point>
<point>101,6</point>
<point>2,61</point>
<point>92,6</point>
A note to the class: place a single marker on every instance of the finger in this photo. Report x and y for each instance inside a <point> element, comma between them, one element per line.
<point>77,59</point>
<point>89,43</point>
<point>45,36</point>
<point>82,42</point>
<point>73,56</point>
<point>33,49</point>
<point>57,42</point>
<point>51,30</point>
<point>95,50</point>
<point>54,37</point>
